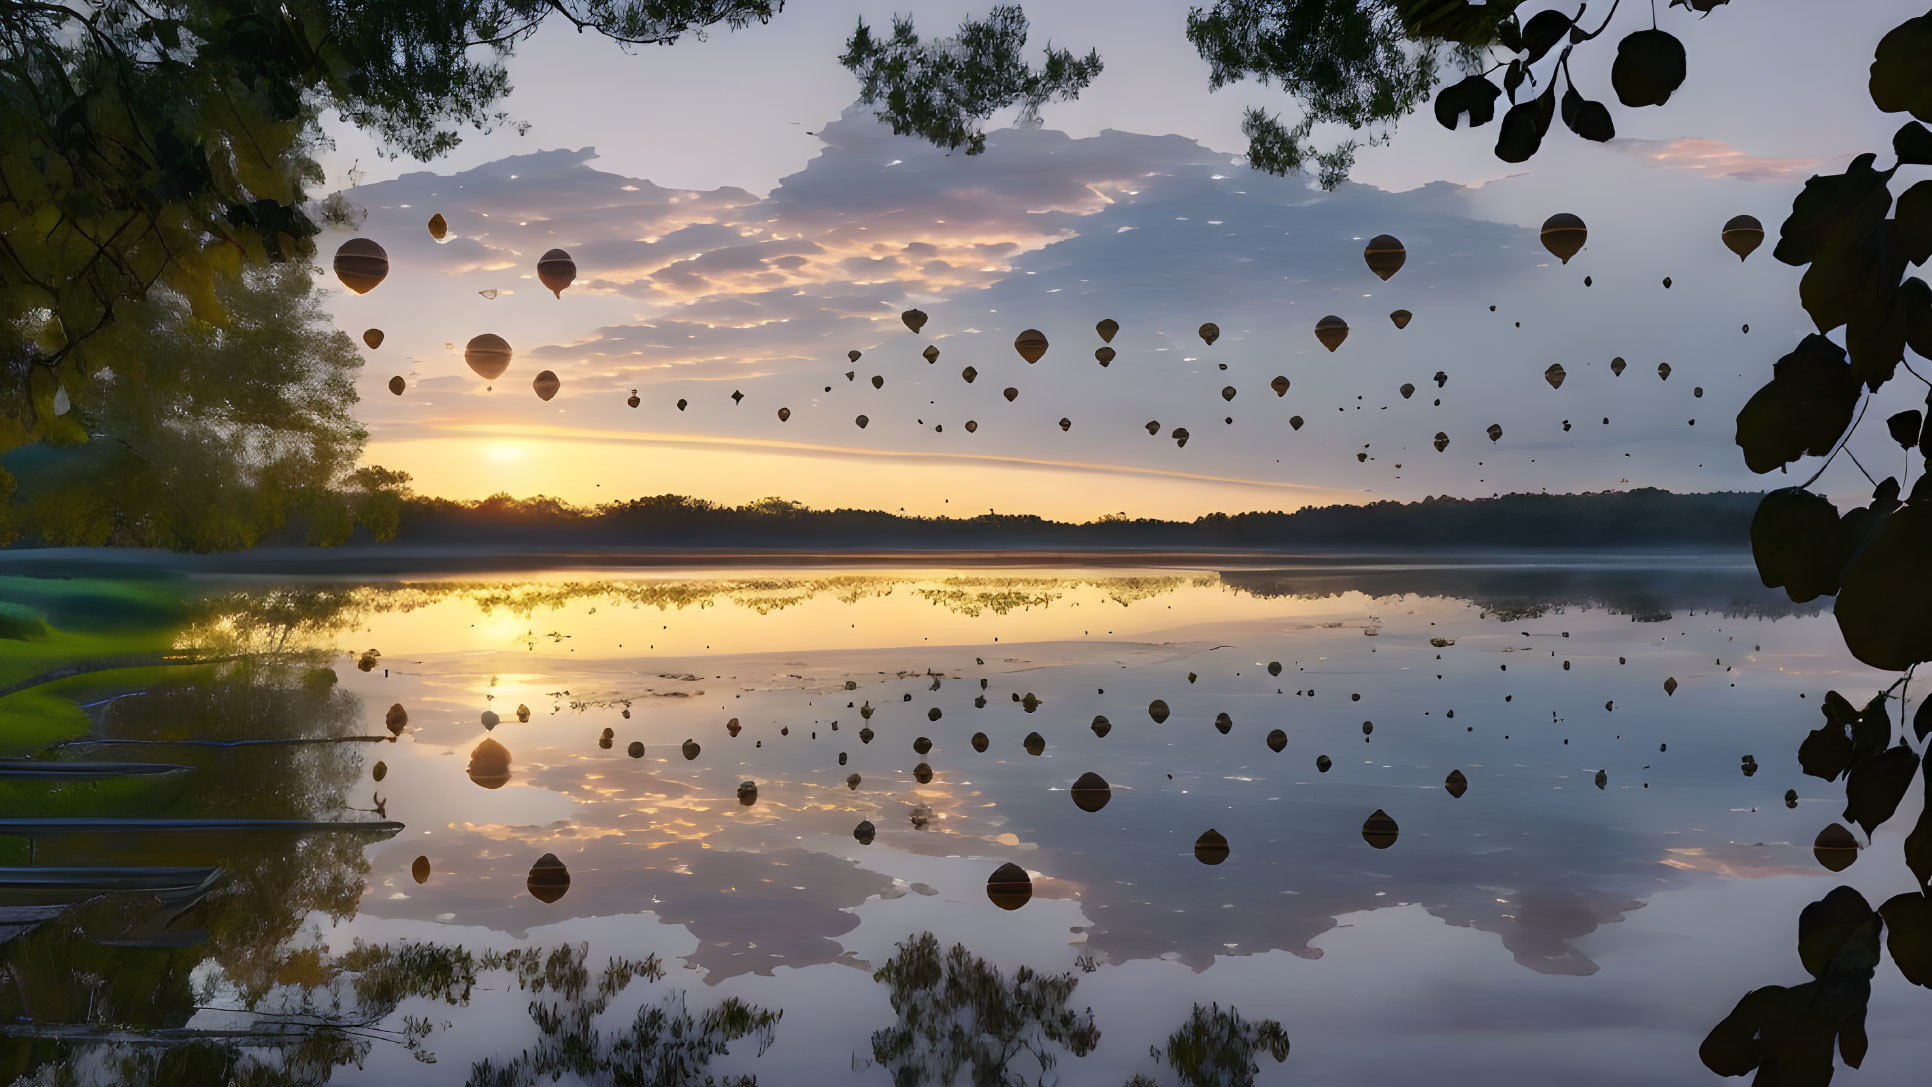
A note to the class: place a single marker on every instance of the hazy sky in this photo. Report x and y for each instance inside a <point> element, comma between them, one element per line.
<point>738,227</point>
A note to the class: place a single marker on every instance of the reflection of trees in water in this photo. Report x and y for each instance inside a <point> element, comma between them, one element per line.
<point>1646,594</point>
<point>959,1012</point>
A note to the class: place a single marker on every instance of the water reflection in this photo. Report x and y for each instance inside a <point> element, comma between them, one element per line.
<point>741,778</point>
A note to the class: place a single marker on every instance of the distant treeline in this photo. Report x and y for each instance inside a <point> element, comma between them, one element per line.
<point>1606,520</point>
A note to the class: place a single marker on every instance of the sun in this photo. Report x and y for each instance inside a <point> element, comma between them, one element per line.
<point>504,452</point>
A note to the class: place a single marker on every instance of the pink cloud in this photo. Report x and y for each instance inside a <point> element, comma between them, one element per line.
<point>1715,158</point>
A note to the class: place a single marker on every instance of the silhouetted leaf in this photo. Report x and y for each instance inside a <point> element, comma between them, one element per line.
<point>1913,222</point>
<point>1525,125</point>
<point>1795,540</point>
<point>1474,96</point>
<point>1802,410</point>
<point>1918,844</point>
<point>1875,786</point>
<point>1913,143</point>
<point>1588,119</point>
<point>1834,206</point>
<point>1884,606</point>
<point>1542,32</point>
<point>1649,66</point>
<point>1900,79</point>
<point>1908,935</point>
<point>1841,923</point>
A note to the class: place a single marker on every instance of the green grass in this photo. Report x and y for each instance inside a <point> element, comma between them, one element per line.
<point>51,623</point>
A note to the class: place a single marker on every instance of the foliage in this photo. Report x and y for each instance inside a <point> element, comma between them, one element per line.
<point>1217,1048</point>
<point>959,1012</point>
<point>206,437</point>
<point>171,143</point>
<point>944,90</point>
<point>1362,65</point>
<point>1855,256</point>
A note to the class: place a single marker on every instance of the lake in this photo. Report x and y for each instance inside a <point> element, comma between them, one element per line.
<point>1276,829</point>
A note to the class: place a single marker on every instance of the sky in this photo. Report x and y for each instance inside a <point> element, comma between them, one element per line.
<point>739,224</point>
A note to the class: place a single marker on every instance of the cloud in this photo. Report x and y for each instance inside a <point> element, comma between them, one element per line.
<point>694,295</point>
<point>1715,158</point>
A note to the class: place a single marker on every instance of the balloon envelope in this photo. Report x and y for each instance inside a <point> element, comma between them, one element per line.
<point>546,384</point>
<point>1563,235</point>
<point>1331,331</point>
<point>1210,332</point>
<point>438,226</point>
<point>555,270</point>
<point>1009,887</point>
<point>1107,328</point>
<point>361,264</point>
<point>488,355</point>
<point>1385,255</point>
<point>549,879</point>
<point>1031,345</point>
<point>914,319</point>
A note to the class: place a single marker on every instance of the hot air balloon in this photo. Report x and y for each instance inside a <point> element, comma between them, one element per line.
<point>878,382</point>
<point>1180,436</point>
<point>747,793</point>
<point>865,831</point>
<point>1210,332</point>
<point>852,355</point>
<point>1331,331</point>
<point>1103,355</point>
<point>419,870</point>
<point>1153,426</point>
<point>1441,378</point>
<point>549,879</point>
<point>1379,830</point>
<point>555,270</point>
<point>1274,668</point>
<point>972,426</point>
<point>1667,283</point>
<point>490,765</point>
<point>372,337</point>
<point>1616,366</point>
<point>1277,740</point>
<point>1107,328</point>
<point>784,414</point>
<point>683,403</point>
<point>1066,424</point>
<point>862,421</point>
<point>1211,847</point>
<point>1009,887</point>
<point>635,749</point>
<point>914,319</point>
<point>1223,723</point>
<point>632,400</point>
<point>1031,345</point>
<point>1385,255</point>
<point>1407,390</point>
<point>1663,371</point>
<point>1670,686</point>
<point>1323,762</point>
<point>546,384</point>
<point>1091,792</point>
<point>1157,709</point>
<point>1555,375</point>
<point>396,719</point>
<point>1401,318</point>
<point>438,226</point>
<point>381,770</point>
<point>1034,743</point>
<point>397,385</point>
<point>980,742</point>
<point>361,264</point>
<point>737,397</point>
<point>690,750</point>
<point>1279,385</point>
<point>931,354</point>
<point>1011,394</point>
<point>1742,234</point>
<point>488,355</point>
<point>1442,441</point>
<point>1101,726</point>
<point>1563,235</point>
<point>1294,422</point>
<point>1456,784</point>
<point>1227,392</point>
<point>1495,432</point>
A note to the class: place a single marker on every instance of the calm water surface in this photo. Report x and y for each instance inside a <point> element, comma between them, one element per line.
<point>1540,928</point>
